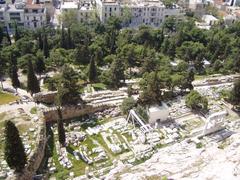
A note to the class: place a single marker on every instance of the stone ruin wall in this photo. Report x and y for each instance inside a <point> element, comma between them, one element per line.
<point>35,158</point>
<point>48,97</point>
<point>51,115</point>
<point>68,112</point>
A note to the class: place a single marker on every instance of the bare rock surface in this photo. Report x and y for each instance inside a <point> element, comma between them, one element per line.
<point>185,161</point>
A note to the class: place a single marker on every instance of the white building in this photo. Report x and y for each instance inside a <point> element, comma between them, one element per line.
<point>209,19</point>
<point>229,19</point>
<point>207,22</point>
<point>84,10</point>
<point>27,13</point>
<point>35,14</point>
<point>10,13</point>
<point>158,113</point>
<point>148,12</point>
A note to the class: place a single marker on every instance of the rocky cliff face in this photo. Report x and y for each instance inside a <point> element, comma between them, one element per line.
<point>184,161</point>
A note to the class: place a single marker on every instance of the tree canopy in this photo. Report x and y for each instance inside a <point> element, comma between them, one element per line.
<point>196,102</point>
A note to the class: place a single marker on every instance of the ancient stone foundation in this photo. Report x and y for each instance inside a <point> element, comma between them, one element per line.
<point>45,97</point>
<point>51,114</point>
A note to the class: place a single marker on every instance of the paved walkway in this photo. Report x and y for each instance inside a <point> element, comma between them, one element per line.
<point>26,106</point>
<point>21,92</point>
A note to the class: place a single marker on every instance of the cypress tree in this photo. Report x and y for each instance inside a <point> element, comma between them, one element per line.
<point>32,82</point>
<point>2,70</point>
<point>69,40</point>
<point>130,91</point>
<point>8,38</point>
<point>235,93</point>
<point>14,152</point>
<point>63,41</point>
<point>117,73</point>
<point>40,41</point>
<point>1,34</point>
<point>59,102</point>
<point>17,35</point>
<point>45,46</point>
<point>40,65</point>
<point>61,130</point>
<point>14,76</point>
<point>92,71</point>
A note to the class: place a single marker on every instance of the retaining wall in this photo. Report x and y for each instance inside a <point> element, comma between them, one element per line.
<point>51,114</point>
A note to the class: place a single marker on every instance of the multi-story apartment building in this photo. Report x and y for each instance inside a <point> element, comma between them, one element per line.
<point>84,10</point>
<point>149,12</point>
<point>35,14</point>
<point>29,13</point>
<point>10,13</point>
<point>108,8</point>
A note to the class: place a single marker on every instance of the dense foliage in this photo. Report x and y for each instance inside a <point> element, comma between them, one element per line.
<point>195,101</point>
<point>110,54</point>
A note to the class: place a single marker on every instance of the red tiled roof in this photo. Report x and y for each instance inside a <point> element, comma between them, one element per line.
<point>30,5</point>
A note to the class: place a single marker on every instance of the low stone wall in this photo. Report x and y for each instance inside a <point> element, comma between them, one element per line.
<point>51,114</point>
<point>35,158</point>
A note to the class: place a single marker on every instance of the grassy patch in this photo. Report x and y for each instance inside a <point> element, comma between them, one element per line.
<point>99,86</point>
<point>224,144</point>
<point>199,145</point>
<point>128,136</point>
<point>200,77</point>
<point>6,98</point>
<point>33,110</point>
<point>2,115</point>
<point>61,173</point>
<point>100,140</point>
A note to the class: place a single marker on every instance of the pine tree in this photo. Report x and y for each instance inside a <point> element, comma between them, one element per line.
<point>45,46</point>
<point>63,41</point>
<point>17,35</point>
<point>14,150</point>
<point>70,87</point>
<point>92,71</point>
<point>150,87</point>
<point>32,82</point>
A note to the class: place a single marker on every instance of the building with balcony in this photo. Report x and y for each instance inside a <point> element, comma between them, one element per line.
<point>84,10</point>
<point>35,14</point>
<point>26,13</point>
<point>148,12</point>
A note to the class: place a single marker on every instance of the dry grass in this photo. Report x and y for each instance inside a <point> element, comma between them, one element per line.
<point>6,98</point>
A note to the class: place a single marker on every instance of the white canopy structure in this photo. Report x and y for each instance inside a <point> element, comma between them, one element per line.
<point>135,119</point>
<point>214,122</point>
